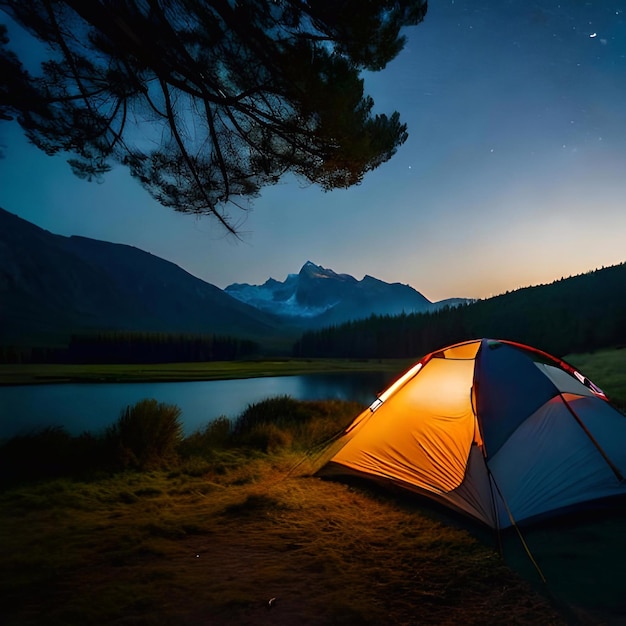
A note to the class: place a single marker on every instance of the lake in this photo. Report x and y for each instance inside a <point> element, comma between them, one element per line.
<point>92,407</point>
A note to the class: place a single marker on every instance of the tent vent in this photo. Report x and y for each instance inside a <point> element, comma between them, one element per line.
<point>585,381</point>
<point>376,404</point>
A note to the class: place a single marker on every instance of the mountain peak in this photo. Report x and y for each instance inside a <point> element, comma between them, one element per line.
<point>313,270</point>
<point>322,297</point>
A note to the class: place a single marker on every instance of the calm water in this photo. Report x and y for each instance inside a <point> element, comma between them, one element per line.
<point>80,407</point>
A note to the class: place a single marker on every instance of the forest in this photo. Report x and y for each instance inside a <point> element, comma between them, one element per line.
<point>578,314</point>
<point>134,347</point>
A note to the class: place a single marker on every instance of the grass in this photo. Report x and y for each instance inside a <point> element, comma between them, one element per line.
<point>19,374</point>
<point>170,548</point>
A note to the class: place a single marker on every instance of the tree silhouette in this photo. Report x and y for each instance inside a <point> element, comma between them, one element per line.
<point>206,102</point>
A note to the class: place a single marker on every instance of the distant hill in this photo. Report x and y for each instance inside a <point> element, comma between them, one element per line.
<point>317,297</point>
<point>577,314</point>
<point>51,286</point>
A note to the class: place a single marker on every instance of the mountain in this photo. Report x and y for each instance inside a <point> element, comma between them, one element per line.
<point>51,286</point>
<point>317,297</point>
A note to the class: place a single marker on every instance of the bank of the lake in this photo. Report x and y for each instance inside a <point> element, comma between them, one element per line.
<point>35,373</point>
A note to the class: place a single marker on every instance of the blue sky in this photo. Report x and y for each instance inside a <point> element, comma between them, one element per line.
<point>514,172</point>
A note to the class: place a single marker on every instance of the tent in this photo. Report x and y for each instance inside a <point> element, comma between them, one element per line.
<point>494,429</point>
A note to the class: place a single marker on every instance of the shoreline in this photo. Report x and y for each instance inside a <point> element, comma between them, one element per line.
<point>50,374</point>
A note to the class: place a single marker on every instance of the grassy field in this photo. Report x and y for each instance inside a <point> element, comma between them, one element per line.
<point>18,374</point>
<point>247,542</point>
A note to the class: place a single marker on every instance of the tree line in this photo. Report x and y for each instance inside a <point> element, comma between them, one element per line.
<point>578,314</point>
<point>132,347</point>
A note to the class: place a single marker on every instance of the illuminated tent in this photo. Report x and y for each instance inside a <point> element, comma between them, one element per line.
<point>494,429</point>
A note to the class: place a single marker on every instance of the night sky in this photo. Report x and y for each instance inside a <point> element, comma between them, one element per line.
<point>514,173</point>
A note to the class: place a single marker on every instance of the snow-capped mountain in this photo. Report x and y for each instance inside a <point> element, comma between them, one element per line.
<point>277,297</point>
<point>319,296</point>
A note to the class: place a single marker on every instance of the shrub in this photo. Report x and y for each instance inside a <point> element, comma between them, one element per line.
<point>283,422</point>
<point>268,425</point>
<point>281,411</point>
<point>146,435</point>
<point>266,437</point>
<point>327,418</point>
<point>215,435</point>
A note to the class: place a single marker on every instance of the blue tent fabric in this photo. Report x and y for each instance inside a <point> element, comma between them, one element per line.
<point>508,384</point>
